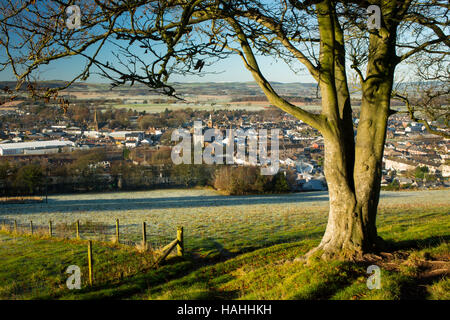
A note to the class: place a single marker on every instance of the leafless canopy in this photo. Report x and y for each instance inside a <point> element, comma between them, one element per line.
<point>137,41</point>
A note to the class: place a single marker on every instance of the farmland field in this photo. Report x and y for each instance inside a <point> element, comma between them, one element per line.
<point>157,108</point>
<point>212,222</point>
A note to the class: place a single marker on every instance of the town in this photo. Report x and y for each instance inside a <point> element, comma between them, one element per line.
<point>38,133</point>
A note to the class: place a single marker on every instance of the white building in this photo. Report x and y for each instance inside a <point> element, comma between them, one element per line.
<point>398,165</point>
<point>36,147</point>
<point>92,134</point>
<point>445,170</point>
<point>131,144</point>
<point>127,135</point>
<point>304,167</point>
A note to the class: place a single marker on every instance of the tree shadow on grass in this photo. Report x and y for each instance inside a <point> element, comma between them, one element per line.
<point>330,287</point>
<point>131,285</point>
<point>185,272</point>
<point>204,284</point>
<point>417,243</point>
<point>415,288</point>
<point>142,283</point>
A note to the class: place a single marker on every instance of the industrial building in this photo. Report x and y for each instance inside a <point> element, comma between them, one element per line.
<point>35,148</point>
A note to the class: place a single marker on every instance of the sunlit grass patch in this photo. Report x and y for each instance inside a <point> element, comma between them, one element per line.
<point>236,248</point>
<point>34,268</point>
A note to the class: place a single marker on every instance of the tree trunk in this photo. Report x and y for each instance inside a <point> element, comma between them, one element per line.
<point>353,170</point>
<point>351,229</point>
<point>354,193</point>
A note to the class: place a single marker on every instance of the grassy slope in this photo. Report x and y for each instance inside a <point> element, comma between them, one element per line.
<point>35,268</point>
<point>212,222</point>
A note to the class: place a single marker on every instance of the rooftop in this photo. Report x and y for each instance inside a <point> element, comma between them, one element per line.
<point>35,144</point>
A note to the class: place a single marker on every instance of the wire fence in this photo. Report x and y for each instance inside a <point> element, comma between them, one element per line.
<point>106,269</point>
<point>90,230</point>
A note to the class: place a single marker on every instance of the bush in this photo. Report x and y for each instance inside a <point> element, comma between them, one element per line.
<point>29,178</point>
<point>281,184</point>
<point>191,175</point>
<point>393,186</point>
<point>420,172</point>
<point>248,180</point>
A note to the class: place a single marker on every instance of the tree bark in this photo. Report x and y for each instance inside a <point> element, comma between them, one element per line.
<point>353,170</point>
<point>351,230</point>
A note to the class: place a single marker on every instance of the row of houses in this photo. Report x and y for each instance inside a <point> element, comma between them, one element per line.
<point>403,165</point>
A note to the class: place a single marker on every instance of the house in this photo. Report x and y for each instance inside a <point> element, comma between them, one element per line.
<point>314,185</point>
<point>405,181</point>
<point>445,170</point>
<point>304,167</point>
<point>92,134</point>
<point>399,164</point>
<point>127,135</point>
<point>131,143</point>
<point>415,128</point>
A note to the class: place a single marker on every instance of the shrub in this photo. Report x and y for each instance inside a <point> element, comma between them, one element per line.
<point>248,180</point>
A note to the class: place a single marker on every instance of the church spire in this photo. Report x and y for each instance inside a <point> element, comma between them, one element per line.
<point>95,119</point>
<point>210,122</point>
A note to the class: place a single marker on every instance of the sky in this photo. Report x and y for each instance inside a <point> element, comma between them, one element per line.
<point>227,70</point>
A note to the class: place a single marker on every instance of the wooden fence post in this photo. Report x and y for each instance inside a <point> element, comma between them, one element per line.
<point>77,226</point>
<point>144,233</point>
<point>50,229</point>
<point>180,242</point>
<point>31,227</point>
<point>91,273</point>
<point>117,230</point>
<point>15,226</point>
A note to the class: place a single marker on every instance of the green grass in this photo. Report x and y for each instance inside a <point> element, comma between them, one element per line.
<point>247,266</point>
<point>36,267</point>
<point>213,223</point>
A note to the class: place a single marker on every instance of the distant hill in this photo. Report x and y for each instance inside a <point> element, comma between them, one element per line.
<point>294,89</point>
<point>188,88</point>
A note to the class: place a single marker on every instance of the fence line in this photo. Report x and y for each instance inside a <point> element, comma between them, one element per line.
<point>36,230</point>
<point>92,231</point>
<point>91,272</point>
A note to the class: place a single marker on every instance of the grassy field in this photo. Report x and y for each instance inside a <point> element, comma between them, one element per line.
<point>157,108</point>
<point>211,221</point>
<point>237,247</point>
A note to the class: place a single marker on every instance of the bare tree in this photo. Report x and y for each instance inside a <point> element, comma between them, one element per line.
<point>156,39</point>
<point>427,96</point>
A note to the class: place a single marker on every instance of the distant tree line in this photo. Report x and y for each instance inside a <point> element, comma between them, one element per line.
<point>21,180</point>
<point>91,172</point>
<point>264,98</point>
